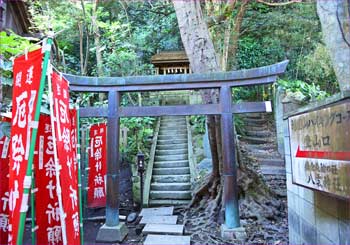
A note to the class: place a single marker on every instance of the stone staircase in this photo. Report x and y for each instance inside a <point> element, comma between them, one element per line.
<point>171,174</point>
<point>259,140</point>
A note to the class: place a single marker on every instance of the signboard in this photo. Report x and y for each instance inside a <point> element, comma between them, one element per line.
<point>4,189</point>
<point>47,210</point>
<point>65,131</point>
<point>26,82</point>
<point>320,149</point>
<point>97,164</point>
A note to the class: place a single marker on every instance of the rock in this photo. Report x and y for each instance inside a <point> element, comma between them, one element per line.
<point>131,217</point>
<point>205,164</point>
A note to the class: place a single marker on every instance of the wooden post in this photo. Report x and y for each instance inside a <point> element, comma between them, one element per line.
<point>229,160</point>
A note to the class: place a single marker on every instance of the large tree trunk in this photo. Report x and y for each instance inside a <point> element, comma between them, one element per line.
<point>335,23</point>
<point>201,54</point>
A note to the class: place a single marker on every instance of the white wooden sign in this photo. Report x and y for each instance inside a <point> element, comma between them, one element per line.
<point>320,149</point>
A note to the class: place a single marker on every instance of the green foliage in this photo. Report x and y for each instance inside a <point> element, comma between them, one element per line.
<point>140,132</point>
<point>317,68</point>
<point>11,45</point>
<point>198,123</point>
<point>302,91</point>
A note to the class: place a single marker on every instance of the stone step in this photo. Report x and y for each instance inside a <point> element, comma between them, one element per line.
<point>172,137</point>
<point>171,157</point>
<point>253,115</point>
<point>167,239</point>
<point>172,146</point>
<point>163,229</point>
<point>270,170</point>
<point>255,120</point>
<point>259,147</point>
<point>172,128</point>
<point>255,140</point>
<point>170,186</point>
<point>265,154</point>
<point>171,171</point>
<point>159,211</point>
<point>171,164</point>
<point>271,162</point>
<point>171,178</point>
<point>255,124</point>
<point>158,219</point>
<point>173,122</point>
<point>182,195</point>
<point>171,141</point>
<point>162,202</point>
<point>171,152</point>
<point>258,133</point>
<point>255,128</point>
<point>173,118</point>
<point>172,132</point>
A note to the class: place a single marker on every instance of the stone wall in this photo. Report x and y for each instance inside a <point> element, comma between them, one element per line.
<point>314,217</point>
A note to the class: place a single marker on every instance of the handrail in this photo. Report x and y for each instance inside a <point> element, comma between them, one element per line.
<point>148,178</point>
<point>191,158</point>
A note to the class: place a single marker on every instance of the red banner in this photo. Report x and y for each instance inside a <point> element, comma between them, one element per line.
<point>97,164</point>
<point>47,211</point>
<point>26,82</point>
<point>4,189</point>
<point>65,128</point>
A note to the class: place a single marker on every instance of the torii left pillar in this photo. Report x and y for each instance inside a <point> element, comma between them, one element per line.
<point>113,230</point>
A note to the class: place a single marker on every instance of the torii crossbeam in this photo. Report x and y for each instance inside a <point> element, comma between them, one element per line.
<point>113,230</point>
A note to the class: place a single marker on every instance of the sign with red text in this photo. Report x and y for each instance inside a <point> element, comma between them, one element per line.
<point>97,166</point>
<point>4,189</point>
<point>65,130</point>
<point>47,211</point>
<point>26,81</point>
<point>320,148</point>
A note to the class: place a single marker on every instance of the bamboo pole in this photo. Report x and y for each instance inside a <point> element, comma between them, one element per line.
<point>79,179</point>
<point>57,164</point>
<point>27,186</point>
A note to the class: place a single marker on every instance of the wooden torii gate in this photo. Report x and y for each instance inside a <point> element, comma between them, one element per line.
<point>113,230</point>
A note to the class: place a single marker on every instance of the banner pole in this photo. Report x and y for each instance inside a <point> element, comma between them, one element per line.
<point>57,164</point>
<point>27,187</point>
<point>32,209</point>
<point>79,179</point>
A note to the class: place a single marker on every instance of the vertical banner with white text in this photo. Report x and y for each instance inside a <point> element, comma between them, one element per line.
<point>97,165</point>
<point>65,128</point>
<point>4,189</point>
<point>46,200</point>
<point>26,81</point>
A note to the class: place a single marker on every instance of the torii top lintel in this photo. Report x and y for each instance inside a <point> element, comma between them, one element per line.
<point>255,76</point>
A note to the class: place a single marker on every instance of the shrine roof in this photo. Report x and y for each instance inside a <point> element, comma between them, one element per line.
<point>170,57</point>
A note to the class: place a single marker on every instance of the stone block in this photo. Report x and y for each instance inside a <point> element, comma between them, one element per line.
<point>293,201</point>
<point>308,232</point>
<point>285,128</point>
<point>344,233</point>
<point>307,195</point>
<point>344,210</point>
<point>293,221</point>
<point>294,237</point>
<point>321,239</point>
<point>290,186</point>
<point>288,162</point>
<point>238,233</point>
<point>307,211</point>
<point>112,234</point>
<point>327,203</point>
<point>286,145</point>
<point>327,225</point>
